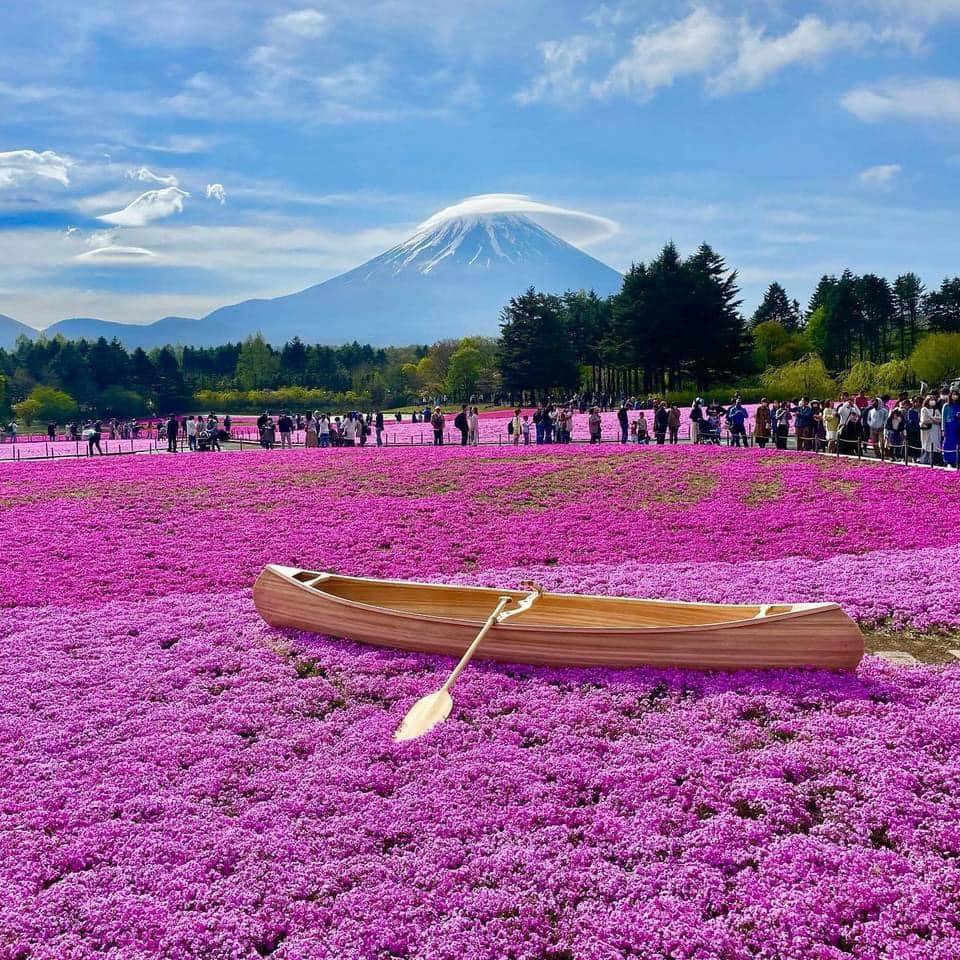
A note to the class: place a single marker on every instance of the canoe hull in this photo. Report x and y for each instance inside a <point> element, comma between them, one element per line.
<point>821,635</point>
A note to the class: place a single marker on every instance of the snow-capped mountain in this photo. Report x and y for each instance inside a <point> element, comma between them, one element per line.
<point>450,279</point>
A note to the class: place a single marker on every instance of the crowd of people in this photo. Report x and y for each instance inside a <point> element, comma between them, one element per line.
<point>924,429</point>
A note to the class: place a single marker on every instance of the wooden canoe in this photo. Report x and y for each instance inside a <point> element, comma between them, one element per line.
<point>560,629</point>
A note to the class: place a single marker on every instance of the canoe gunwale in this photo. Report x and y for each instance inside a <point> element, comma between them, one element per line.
<point>316,591</point>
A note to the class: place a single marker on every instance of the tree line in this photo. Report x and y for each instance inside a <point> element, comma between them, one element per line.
<point>675,326</point>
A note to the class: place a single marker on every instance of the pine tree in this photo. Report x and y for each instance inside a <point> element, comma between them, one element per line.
<point>907,297</point>
<point>942,307</point>
<point>535,352</point>
<point>777,306</point>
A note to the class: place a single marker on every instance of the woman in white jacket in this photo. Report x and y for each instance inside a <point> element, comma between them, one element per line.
<point>929,430</point>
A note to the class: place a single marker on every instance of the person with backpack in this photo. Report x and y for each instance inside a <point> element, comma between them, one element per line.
<point>462,423</point>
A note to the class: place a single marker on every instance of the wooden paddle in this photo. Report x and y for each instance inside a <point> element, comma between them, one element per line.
<point>431,710</point>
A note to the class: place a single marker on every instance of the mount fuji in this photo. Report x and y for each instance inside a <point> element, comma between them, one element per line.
<point>450,279</point>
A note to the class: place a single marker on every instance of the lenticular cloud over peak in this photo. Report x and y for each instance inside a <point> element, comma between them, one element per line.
<point>587,227</point>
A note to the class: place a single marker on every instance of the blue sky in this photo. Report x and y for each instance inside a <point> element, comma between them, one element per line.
<point>169,156</point>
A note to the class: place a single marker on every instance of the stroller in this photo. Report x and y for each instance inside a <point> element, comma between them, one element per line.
<point>209,438</point>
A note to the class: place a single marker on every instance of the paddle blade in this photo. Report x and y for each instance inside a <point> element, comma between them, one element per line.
<point>424,715</point>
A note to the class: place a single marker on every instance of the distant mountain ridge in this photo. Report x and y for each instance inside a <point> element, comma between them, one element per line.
<point>450,279</point>
<point>10,329</point>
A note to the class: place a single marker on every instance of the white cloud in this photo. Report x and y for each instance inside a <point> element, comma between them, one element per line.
<point>730,53</point>
<point>182,144</point>
<point>659,56</point>
<point>934,98</point>
<point>152,205</point>
<point>17,166</point>
<point>880,176</point>
<point>148,176</point>
<point>759,56</point>
<point>560,80</point>
<point>216,192</point>
<point>588,227</point>
<point>117,254</point>
<point>307,24</point>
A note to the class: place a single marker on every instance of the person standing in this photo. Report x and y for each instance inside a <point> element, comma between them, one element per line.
<point>696,419</point>
<point>831,425</point>
<point>310,434</point>
<point>624,423</point>
<point>261,423</point>
<point>437,421</point>
<point>594,422</point>
<point>348,431</point>
<point>538,423</point>
<point>462,424</point>
<point>783,424</point>
<point>643,432</point>
<point>950,421</point>
<point>226,425</point>
<point>191,432</point>
<point>525,430</point>
<point>516,427</point>
<point>473,424</point>
<point>51,431</point>
<point>285,426</point>
<point>660,420</point>
<point>378,426</point>
<point>173,428</point>
<point>269,434</point>
<point>804,424</point>
<point>673,424</point>
<point>737,418</point>
<point>93,438</point>
<point>894,433</point>
<point>877,422</point>
<point>761,424</point>
<point>930,422</point>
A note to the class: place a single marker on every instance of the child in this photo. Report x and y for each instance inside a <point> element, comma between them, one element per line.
<point>525,427</point>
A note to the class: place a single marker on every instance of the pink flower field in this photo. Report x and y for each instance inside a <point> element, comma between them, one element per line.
<point>178,779</point>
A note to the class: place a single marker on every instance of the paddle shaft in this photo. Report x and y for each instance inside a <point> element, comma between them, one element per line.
<point>484,630</point>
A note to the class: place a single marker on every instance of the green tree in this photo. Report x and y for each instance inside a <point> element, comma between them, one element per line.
<point>936,358</point>
<point>942,307</point>
<point>892,377</point>
<point>464,371</point>
<point>117,401</point>
<point>907,297</point>
<point>45,404</point>
<point>257,365</point>
<point>774,345</point>
<point>804,377</point>
<point>778,307</point>
<point>535,352</point>
<point>861,376</point>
